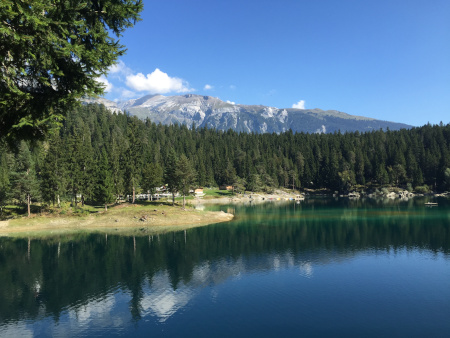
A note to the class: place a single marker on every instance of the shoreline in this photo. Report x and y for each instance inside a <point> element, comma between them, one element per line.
<point>280,196</point>
<point>248,198</point>
<point>128,219</point>
<point>135,219</point>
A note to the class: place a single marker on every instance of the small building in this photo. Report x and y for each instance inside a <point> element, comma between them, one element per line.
<point>198,191</point>
<point>226,187</point>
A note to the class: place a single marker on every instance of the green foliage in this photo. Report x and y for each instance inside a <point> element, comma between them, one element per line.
<point>447,178</point>
<point>397,174</point>
<point>409,187</point>
<point>152,177</point>
<point>185,176</point>
<point>239,185</point>
<point>255,183</point>
<point>170,174</point>
<point>385,191</point>
<point>347,180</point>
<point>25,184</point>
<point>53,172</point>
<point>4,179</point>
<point>51,54</point>
<point>422,189</point>
<point>72,164</point>
<point>382,176</point>
<point>214,192</point>
<point>103,188</point>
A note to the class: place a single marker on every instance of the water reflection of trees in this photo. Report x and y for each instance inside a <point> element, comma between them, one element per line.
<point>44,277</point>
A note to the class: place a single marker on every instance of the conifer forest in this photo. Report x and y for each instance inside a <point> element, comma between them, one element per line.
<point>97,156</point>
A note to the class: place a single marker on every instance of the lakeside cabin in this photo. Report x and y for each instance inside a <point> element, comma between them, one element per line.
<point>198,192</point>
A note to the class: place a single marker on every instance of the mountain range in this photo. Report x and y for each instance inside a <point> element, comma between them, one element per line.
<point>214,113</point>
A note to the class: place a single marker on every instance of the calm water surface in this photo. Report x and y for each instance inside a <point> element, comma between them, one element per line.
<point>319,268</point>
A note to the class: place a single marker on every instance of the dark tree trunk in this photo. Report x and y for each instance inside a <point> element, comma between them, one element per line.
<point>29,204</point>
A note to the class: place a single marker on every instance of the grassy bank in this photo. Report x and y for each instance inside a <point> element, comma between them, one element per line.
<point>143,218</point>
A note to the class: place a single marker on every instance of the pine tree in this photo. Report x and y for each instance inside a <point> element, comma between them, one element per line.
<point>152,177</point>
<point>25,183</point>
<point>134,153</point>
<point>117,156</point>
<point>52,53</point>
<point>185,176</point>
<point>53,174</point>
<point>170,174</point>
<point>104,186</point>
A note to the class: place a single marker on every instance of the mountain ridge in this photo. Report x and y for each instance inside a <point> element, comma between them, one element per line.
<point>213,112</point>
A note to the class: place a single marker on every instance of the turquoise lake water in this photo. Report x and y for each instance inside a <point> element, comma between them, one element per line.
<point>324,267</point>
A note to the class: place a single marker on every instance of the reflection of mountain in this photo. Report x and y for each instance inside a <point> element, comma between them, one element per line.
<point>93,280</point>
<point>161,301</point>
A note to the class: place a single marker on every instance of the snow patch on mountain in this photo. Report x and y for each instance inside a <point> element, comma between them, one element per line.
<point>215,113</point>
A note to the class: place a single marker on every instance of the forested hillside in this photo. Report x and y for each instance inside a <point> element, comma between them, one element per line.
<point>98,155</point>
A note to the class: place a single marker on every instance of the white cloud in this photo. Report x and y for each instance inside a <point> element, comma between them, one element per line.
<point>299,105</point>
<point>232,87</point>
<point>208,87</point>
<point>231,102</point>
<point>104,81</point>
<point>127,94</point>
<point>322,130</point>
<point>119,69</point>
<point>157,82</point>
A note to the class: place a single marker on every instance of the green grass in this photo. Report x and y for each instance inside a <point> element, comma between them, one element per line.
<point>12,211</point>
<point>124,219</point>
<point>217,193</point>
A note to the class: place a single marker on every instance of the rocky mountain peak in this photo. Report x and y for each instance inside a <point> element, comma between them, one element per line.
<point>208,110</point>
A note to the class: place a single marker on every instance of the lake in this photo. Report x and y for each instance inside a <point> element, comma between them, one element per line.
<point>324,267</point>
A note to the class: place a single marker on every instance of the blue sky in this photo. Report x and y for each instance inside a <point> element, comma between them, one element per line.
<point>388,60</point>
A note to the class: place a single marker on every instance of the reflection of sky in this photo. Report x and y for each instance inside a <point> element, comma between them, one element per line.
<point>409,287</point>
<point>162,301</point>
<point>16,330</point>
<point>111,312</point>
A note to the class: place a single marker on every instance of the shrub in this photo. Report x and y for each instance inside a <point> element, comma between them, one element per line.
<point>422,189</point>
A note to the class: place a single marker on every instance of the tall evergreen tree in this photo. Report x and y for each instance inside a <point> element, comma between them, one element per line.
<point>152,177</point>
<point>25,183</point>
<point>104,185</point>
<point>185,176</point>
<point>134,154</point>
<point>170,174</point>
<point>53,175</point>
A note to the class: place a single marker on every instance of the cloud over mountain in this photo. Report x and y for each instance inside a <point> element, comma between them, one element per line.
<point>157,82</point>
<point>299,105</point>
